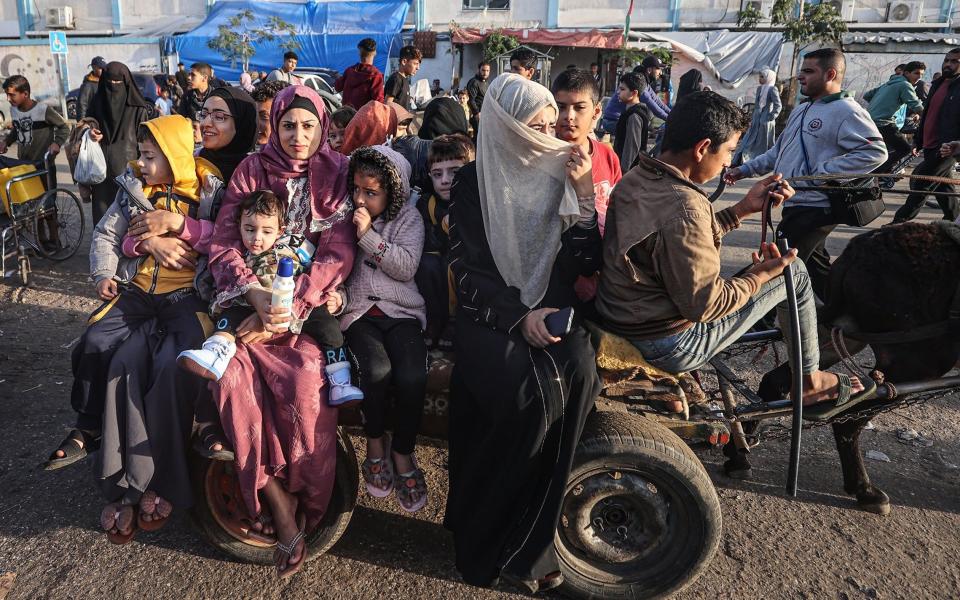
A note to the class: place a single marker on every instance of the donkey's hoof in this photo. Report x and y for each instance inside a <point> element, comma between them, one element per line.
<point>737,468</point>
<point>874,501</point>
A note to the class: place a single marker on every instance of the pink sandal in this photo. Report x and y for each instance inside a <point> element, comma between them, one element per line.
<point>411,488</point>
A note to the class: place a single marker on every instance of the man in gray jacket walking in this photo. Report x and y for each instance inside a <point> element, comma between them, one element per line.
<point>830,133</point>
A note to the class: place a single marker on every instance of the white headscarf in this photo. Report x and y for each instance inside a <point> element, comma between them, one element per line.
<point>526,197</point>
<point>769,79</point>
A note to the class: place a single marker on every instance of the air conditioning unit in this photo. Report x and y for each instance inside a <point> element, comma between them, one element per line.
<point>60,17</point>
<point>844,8</point>
<point>904,11</point>
<point>764,6</point>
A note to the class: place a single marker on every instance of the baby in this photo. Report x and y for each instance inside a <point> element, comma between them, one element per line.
<point>262,232</point>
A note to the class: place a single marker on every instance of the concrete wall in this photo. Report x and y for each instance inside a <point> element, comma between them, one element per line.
<point>522,13</point>
<point>98,15</point>
<point>37,64</point>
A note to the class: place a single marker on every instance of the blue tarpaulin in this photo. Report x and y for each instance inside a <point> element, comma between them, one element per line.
<point>328,33</point>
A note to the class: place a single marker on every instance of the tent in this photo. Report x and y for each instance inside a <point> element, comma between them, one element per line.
<point>726,59</point>
<point>328,33</point>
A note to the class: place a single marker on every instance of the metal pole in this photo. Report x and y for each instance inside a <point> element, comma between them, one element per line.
<point>64,86</point>
<point>793,471</point>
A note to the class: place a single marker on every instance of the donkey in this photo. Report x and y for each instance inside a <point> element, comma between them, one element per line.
<point>895,279</point>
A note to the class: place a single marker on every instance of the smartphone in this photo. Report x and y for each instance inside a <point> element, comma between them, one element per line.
<point>560,322</point>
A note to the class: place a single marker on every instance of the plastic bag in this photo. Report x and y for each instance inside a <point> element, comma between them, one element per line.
<point>91,166</point>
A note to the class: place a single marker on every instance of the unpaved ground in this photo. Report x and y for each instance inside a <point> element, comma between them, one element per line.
<point>816,546</point>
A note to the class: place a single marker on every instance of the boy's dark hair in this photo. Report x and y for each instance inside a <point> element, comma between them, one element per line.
<point>263,202</point>
<point>594,64</point>
<point>482,63</point>
<point>699,116</point>
<point>576,80</point>
<point>202,68</point>
<point>179,64</point>
<point>829,58</point>
<point>268,90</point>
<point>367,46</point>
<point>451,146</point>
<point>289,55</point>
<point>528,60</point>
<point>915,65</point>
<point>410,53</point>
<point>371,162</point>
<point>900,67</point>
<point>144,134</point>
<point>634,82</point>
<point>342,116</point>
<point>17,82</point>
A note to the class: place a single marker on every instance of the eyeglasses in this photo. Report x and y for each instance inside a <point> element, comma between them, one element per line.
<point>218,116</point>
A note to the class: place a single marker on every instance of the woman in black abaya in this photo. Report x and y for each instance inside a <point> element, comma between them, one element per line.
<point>523,226</point>
<point>119,108</point>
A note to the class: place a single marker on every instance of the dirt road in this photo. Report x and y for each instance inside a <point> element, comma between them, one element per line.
<point>818,546</point>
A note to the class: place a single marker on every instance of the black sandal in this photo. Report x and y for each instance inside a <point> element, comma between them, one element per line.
<point>76,446</point>
<point>845,400</point>
<point>205,440</point>
<point>534,586</point>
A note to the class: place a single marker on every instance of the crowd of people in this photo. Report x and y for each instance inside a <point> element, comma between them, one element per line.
<point>465,230</point>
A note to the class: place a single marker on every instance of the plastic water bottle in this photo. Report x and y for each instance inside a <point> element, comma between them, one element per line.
<point>283,287</point>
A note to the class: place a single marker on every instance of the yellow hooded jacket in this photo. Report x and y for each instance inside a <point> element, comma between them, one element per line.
<point>174,136</point>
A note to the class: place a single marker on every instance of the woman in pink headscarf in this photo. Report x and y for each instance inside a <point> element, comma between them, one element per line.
<point>272,397</point>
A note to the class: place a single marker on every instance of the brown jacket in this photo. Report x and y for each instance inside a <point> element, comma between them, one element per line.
<point>661,256</point>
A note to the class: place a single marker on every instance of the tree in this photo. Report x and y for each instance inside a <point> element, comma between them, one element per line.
<point>236,41</point>
<point>803,24</point>
<point>497,43</point>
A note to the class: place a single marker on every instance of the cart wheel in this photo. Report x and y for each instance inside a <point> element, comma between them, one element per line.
<point>24,270</point>
<point>640,516</point>
<point>219,510</point>
<point>58,224</point>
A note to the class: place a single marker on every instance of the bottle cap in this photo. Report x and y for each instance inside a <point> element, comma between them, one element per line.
<point>286,267</point>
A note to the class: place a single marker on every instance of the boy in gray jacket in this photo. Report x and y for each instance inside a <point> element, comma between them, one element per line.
<point>829,134</point>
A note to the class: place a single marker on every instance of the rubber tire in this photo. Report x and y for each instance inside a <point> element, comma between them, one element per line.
<point>331,528</point>
<point>614,441</point>
<point>64,253</point>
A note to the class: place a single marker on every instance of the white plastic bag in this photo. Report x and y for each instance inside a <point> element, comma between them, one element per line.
<point>91,166</point>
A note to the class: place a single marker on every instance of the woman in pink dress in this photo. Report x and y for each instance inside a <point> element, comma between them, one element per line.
<point>272,397</point>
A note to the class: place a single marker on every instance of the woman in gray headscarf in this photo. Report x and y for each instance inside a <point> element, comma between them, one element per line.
<point>761,135</point>
<point>523,227</point>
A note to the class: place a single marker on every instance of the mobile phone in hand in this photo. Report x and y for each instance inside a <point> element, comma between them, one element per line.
<point>560,322</point>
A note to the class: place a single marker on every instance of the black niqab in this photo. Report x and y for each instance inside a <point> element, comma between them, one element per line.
<point>115,104</point>
<point>442,116</point>
<point>690,82</point>
<point>244,112</point>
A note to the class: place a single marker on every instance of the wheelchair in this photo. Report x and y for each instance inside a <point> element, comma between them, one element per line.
<point>37,218</point>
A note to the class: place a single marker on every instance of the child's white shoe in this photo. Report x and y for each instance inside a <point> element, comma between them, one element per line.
<point>211,360</point>
<point>342,393</point>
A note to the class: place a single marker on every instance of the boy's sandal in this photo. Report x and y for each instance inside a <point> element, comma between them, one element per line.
<point>119,516</point>
<point>845,400</point>
<point>76,446</point>
<point>204,442</point>
<point>411,490</point>
<point>153,505</point>
<point>290,547</point>
<point>378,475</point>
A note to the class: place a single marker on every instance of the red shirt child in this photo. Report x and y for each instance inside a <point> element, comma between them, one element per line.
<point>362,82</point>
<point>606,174</point>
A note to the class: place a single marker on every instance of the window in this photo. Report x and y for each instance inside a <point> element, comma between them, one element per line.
<point>486,4</point>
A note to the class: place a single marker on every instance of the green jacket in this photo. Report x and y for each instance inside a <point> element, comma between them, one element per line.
<point>887,99</point>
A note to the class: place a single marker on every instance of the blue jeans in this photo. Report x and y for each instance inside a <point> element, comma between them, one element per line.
<point>693,348</point>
